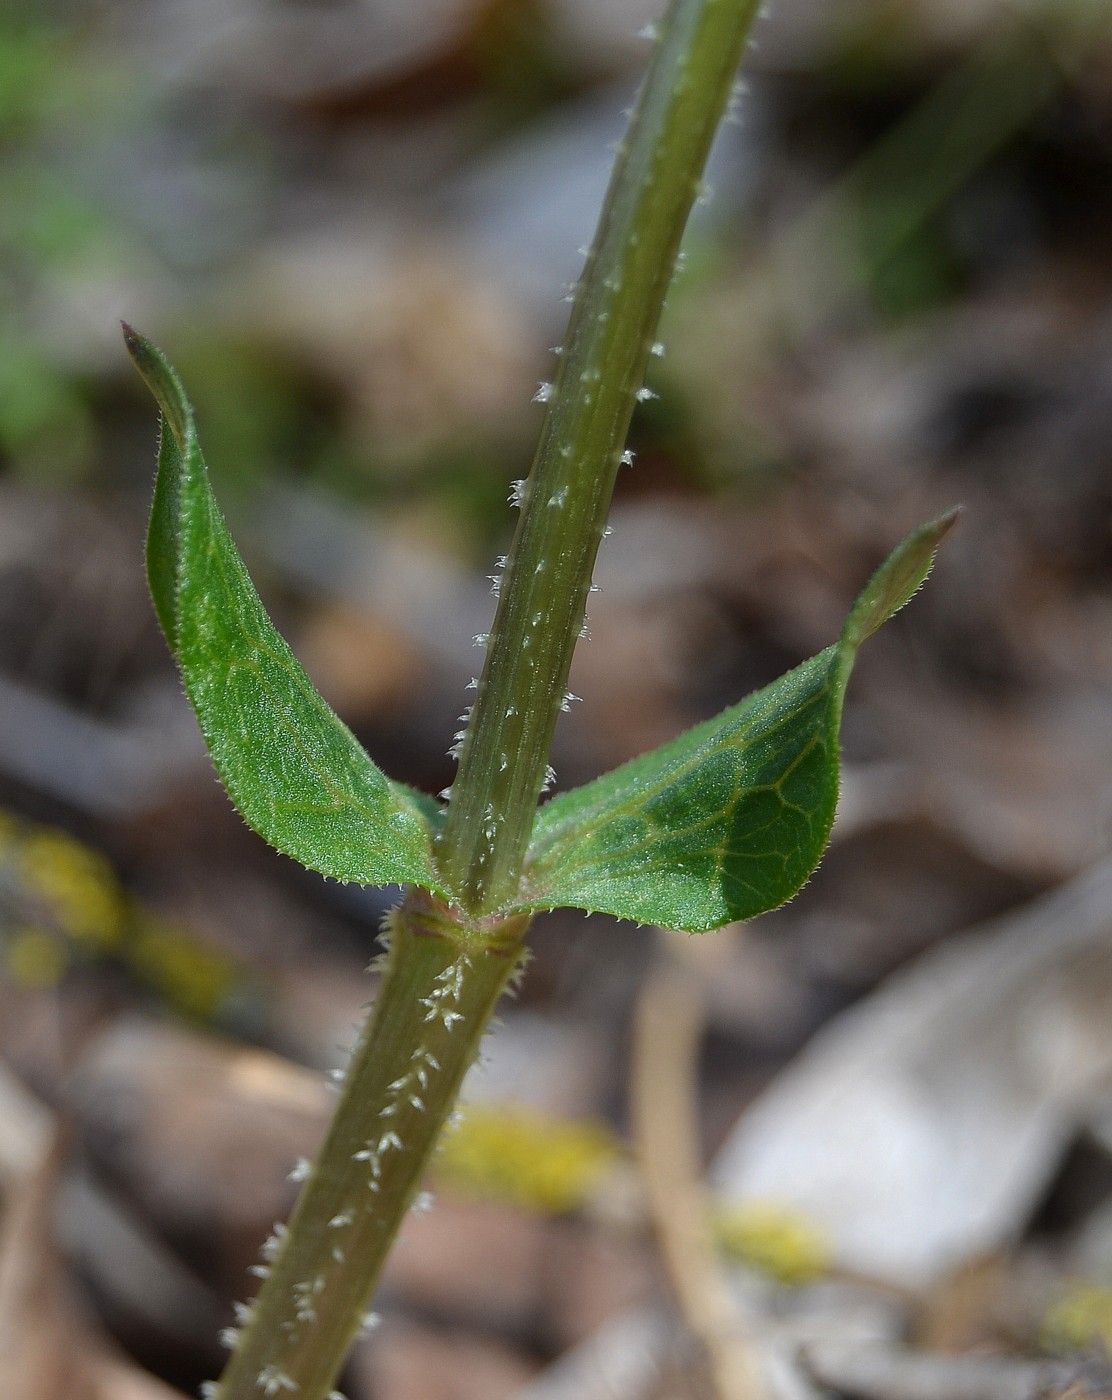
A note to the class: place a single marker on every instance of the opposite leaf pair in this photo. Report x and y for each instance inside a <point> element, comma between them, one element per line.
<point>722,823</point>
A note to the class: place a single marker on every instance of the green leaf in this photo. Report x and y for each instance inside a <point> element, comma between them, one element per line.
<point>293,769</point>
<point>728,820</point>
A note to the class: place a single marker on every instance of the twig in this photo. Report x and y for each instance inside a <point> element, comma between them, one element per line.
<point>669,1022</point>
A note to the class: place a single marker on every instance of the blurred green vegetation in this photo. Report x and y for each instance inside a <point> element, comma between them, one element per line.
<point>909,144</point>
<point>53,102</point>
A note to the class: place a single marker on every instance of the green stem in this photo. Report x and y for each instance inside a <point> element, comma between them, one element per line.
<point>436,999</point>
<point>448,967</point>
<point>566,499</point>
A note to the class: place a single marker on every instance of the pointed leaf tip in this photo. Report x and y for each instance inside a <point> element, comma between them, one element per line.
<point>897,580</point>
<point>729,819</point>
<point>162,380</point>
<point>294,771</point>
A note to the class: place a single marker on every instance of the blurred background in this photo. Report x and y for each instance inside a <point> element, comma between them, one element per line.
<point>352,223</point>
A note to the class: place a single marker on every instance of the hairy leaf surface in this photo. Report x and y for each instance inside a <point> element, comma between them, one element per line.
<point>728,820</point>
<point>296,773</point>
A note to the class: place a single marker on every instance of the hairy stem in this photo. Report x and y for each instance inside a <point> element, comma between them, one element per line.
<point>565,501</point>
<point>437,996</point>
<point>448,967</point>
